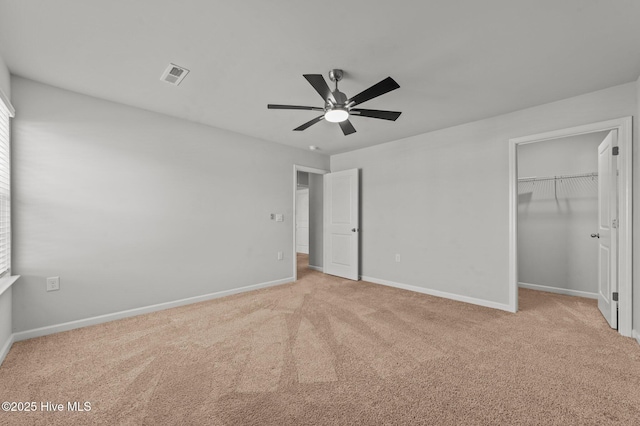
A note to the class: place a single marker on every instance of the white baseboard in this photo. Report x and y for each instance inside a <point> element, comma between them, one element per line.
<point>316,268</point>
<point>57,328</point>
<point>558,290</point>
<point>443,294</point>
<point>6,347</point>
<point>636,335</point>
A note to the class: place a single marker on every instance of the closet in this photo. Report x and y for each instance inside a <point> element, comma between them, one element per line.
<point>557,213</point>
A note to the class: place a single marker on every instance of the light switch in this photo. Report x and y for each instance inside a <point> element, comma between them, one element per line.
<point>279,217</point>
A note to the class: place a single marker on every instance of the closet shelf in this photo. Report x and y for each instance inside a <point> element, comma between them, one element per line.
<point>593,175</point>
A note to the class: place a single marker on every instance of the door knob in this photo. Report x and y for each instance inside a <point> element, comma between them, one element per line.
<point>595,235</point>
<point>354,230</point>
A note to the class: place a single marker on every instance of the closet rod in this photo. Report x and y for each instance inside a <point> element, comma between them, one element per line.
<point>536,178</point>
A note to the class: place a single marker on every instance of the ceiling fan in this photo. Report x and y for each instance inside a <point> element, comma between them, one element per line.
<point>337,108</point>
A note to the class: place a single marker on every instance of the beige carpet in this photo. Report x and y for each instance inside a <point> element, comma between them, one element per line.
<point>328,351</point>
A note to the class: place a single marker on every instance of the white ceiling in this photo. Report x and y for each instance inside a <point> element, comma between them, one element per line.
<point>456,60</point>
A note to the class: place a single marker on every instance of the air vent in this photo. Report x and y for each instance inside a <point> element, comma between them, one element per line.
<point>174,74</point>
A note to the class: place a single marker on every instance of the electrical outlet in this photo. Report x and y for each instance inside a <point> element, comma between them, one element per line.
<point>279,217</point>
<point>397,258</point>
<point>53,283</point>
<point>280,256</point>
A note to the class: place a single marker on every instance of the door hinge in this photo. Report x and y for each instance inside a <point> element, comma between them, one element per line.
<point>614,224</point>
<point>615,150</point>
<point>615,296</point>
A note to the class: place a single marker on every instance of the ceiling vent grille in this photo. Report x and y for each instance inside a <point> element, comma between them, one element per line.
<point>174,74</point>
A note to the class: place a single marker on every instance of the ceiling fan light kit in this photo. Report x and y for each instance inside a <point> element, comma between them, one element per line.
<point>338,108</point>
<point>336,115</point>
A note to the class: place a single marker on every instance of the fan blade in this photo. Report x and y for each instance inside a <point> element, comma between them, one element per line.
<point>310,123</point>
<point>319,83</point>
<point>376,113</point>
<point>384,86</point>
<point>347,127</point>
<point>272,106</point>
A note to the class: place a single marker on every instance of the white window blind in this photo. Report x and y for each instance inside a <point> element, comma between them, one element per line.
<point>5,189</point>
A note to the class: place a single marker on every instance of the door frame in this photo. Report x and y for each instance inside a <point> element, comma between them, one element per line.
<point>296,169</point>
<point>625,202</point>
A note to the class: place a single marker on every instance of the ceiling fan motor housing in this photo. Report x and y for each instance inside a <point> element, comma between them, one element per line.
<point>340,98</point>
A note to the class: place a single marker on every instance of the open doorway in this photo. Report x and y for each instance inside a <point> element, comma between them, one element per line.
<point>308,223</point>
<point>564,188</point>
<point>558,213</point>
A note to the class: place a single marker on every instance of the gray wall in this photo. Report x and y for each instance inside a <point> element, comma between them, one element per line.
<point>5,84</point>
<point>6,297</point>
<point>555,219</point>
<point>316,225</point>
<point>132,208</point>
<point>441,199</point>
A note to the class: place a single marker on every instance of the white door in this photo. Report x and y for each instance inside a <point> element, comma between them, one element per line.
<point>341,224</point>
<point>607,234</point>
<point>302,221</point>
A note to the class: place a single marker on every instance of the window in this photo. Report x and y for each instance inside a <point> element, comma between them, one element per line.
<point>6,112</point>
